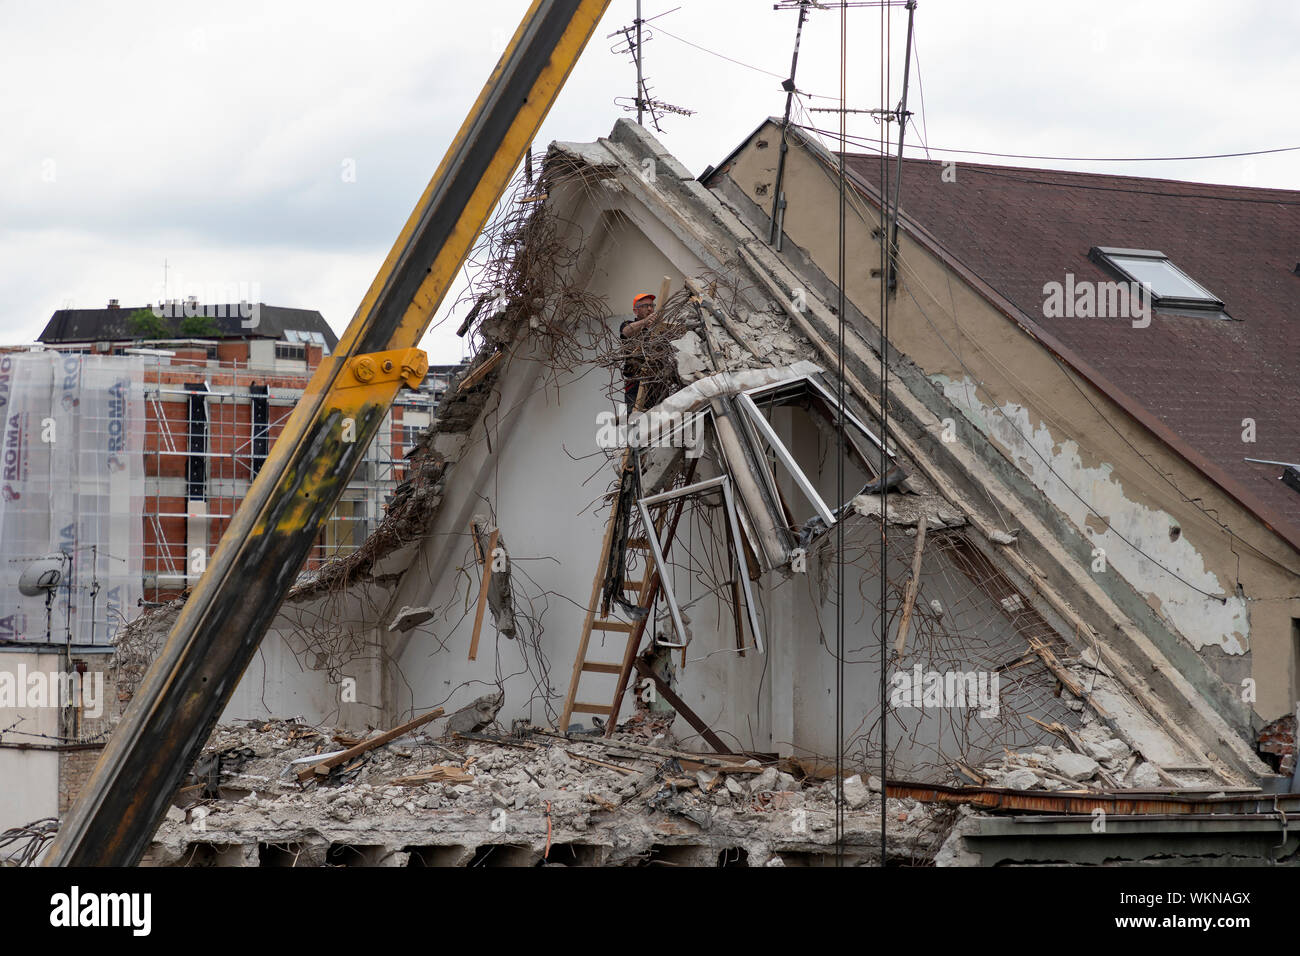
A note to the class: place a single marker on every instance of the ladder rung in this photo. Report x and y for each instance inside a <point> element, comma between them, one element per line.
<point>611,626</point>
<point>632,585</point>
<point>591,708</point>
<point>598,668</point>
<point>640,544</point>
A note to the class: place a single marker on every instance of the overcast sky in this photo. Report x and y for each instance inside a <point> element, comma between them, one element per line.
<point>217,137</point>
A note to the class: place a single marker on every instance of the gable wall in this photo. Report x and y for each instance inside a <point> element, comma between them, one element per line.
<point>1063,436</point>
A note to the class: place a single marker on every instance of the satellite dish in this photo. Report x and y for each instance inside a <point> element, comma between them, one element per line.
<point>42,576</point>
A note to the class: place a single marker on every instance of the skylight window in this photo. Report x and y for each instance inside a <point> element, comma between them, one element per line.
<point>1169,286</point>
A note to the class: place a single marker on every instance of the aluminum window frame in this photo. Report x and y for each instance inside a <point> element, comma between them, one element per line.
<point>738,543</point>
<point>754,415</point>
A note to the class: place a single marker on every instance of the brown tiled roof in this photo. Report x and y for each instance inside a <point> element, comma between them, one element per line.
<point>1198,377</point>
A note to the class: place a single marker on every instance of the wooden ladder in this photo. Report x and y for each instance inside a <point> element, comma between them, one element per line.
<point>594,621</point>
<point>646,591</point>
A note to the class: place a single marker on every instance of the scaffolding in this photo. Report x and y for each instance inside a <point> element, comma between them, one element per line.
<point>209,428</point>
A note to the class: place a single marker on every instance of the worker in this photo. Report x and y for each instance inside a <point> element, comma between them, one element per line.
<point>634,367</point>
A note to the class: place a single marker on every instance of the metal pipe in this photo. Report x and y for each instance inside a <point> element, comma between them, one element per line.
<point>765,429</point>
<point>741,572</point>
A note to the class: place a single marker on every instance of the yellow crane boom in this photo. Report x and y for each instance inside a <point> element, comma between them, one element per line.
<point>268,539</point>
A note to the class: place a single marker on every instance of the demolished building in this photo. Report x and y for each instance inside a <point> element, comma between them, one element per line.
<point>706,535</point>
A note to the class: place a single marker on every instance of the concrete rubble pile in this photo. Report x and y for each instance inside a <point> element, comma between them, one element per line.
<point>524,800</point>
<point>1102,761</point>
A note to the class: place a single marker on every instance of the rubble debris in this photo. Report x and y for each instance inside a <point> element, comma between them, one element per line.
<point>326,765</point>
<point>1091,757</point>
<point>1145,777</point>
<point>1074,766</point>
<point>476,716</point>
<point>609,801</point>
<point>409,617</point>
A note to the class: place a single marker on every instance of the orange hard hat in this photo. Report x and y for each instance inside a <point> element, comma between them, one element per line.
<point>641,297</point>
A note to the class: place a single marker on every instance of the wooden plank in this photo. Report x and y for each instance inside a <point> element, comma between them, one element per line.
<point>435,774</point>
<point>492,739</point>
<point>483,593</point>
<point>913,585</point>
<point>601,763</point>
<point>692,765</point>
<point>323,768</point>
<point>599,667</point>
<point>581,708</point>
<point>622,626</point>
<point>661,752</point>
<point>664,288</point>
<point>476,376</point>
<point>679,705</point>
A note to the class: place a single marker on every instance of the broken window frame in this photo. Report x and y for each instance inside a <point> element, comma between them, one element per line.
<point>754,415</point>
<point>737,545</point>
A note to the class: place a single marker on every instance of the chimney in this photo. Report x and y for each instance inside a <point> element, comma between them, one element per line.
<point>112,304</point>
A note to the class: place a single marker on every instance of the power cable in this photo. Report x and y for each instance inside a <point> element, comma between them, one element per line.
<point>1093,159</point>
<point>748,66</point>
<point>839,474</point>
<point>1005,173</point>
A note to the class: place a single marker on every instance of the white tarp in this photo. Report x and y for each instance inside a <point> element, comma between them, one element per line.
<point>71,481</point>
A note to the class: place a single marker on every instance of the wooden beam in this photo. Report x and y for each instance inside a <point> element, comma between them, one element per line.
<point>633,747</point>
<point>476,376</point>
<point>483,592</point>
<point>325,766</point>
<point>913,585</point>
<point>679,705</point>
<point>601,763</point>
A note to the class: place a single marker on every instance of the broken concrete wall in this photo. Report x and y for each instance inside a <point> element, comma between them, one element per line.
<point>529,460</point>
<point>1123,471</point>
<point>533,463</point>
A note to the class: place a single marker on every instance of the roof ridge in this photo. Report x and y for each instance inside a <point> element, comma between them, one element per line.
<point>1096,177</point>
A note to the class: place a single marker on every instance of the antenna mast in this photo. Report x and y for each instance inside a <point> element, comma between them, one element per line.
<point>633,36</point>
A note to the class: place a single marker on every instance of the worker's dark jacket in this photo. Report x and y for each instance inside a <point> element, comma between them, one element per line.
<point>634,366</point>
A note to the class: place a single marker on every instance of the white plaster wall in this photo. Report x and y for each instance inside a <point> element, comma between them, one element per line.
<point>290,673</point>
<point>533,463</point>
<point>29,779</point>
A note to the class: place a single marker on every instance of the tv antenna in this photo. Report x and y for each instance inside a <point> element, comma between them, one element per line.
<point>633,40</point>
